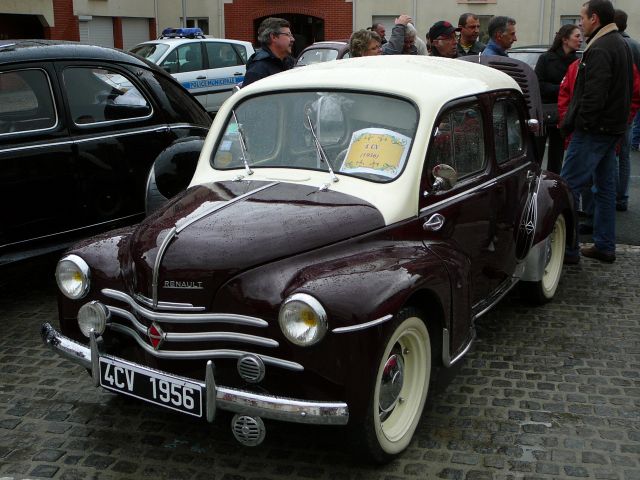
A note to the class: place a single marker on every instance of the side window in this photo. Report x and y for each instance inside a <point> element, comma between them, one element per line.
<point>507,131</point>
<point>189,57</point>
<point>26,103</point>
<point>222,55</point>
<point>242,51</point>
<point>170,64</point>
<point>102,95</point>
<point>458,141</point>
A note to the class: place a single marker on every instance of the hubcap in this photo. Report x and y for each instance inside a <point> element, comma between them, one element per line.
<point>391,384</point>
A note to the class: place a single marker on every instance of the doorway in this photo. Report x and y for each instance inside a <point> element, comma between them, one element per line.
<point>20,26</point>
<point>306,29</point>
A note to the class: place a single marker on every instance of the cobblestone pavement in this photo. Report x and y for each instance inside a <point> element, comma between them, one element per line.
<point>550,392</point>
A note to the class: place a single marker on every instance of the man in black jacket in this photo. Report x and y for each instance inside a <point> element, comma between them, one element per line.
<point>598,115</point>
<point>276,39</point>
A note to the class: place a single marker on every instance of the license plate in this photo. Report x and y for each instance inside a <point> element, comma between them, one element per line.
<point>165,390</point>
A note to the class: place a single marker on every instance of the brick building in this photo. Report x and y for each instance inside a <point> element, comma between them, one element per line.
<point>124,23</point>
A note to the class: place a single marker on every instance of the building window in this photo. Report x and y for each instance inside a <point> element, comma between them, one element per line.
<point>569,19</point>
<point>201,23</point>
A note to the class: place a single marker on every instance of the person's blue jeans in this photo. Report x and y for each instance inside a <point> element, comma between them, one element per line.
<point>593,156</point>
<point>624,169</point>
<point>635,139</point>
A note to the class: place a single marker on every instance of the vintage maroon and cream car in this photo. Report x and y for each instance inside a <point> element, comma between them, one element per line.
<point>346,224</point>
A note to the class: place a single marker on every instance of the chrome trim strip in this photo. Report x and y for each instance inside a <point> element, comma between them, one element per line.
<point>95,356</point>
<point>187,307</point>
<point>196,336</point>
<point>446,354</point>
<point>362,326</point>
<point>185,317</point>
<point>180,226</point>
<point>501,291</point>
<point>226,398</point>
<point>474,189</point>
<point>102,137</point>
<point>203,354</point>
<point>156,265</point>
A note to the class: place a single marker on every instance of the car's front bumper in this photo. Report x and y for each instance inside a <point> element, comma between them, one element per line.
<point>216,396</point>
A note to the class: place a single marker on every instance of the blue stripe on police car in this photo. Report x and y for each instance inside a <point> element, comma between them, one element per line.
<point>212,82</point>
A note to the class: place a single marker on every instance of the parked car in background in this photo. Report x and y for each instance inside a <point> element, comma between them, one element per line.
<point>326,259</point>
<point>80,128</point>
<point>208,68</point>
<point>323,52</point>
<point>530,54</point>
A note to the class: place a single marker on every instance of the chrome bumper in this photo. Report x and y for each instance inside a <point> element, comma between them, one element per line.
<point>216,396</point>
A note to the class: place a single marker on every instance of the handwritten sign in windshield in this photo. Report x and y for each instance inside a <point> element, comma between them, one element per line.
<point>378,151</point>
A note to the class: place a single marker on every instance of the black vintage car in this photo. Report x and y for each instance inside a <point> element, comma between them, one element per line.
<point>80,128</point>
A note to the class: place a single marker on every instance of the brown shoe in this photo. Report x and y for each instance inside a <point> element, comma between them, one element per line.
<point>593,252</point>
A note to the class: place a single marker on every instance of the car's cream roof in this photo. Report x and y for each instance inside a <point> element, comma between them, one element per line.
<point>406,75</point>
<point>429,82</point>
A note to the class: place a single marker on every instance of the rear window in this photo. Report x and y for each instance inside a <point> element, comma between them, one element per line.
<point>317,55</point>
<point>26,102</point>
<point>151,51</point>
<point>221,55</point>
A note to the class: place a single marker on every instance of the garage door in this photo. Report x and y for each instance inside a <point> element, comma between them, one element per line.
<point>134,31</point>
<point>97,31</point>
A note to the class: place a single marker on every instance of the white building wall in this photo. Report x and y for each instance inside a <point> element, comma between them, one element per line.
<point>115,8</point>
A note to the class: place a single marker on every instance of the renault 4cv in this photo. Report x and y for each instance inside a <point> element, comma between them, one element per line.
<point>346,225</point>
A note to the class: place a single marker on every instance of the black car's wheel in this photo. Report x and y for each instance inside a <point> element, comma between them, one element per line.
<point>400,389</point>
<point>543,290</point>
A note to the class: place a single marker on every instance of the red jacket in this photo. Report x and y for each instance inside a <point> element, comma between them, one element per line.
<point>566,92</point>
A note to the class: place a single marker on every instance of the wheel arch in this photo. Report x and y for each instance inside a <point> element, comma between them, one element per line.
<point>429,303</point>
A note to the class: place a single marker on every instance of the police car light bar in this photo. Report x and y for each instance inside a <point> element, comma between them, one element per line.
<point>182,33</point>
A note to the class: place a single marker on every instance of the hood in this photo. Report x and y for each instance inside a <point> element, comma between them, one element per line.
<point>215,231</point>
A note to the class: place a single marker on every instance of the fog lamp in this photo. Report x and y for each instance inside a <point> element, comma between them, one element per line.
<point>302,319</point>
<point>93,315</point>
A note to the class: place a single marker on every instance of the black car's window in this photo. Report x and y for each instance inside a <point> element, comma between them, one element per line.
<point>507,130</point>
<point>458,141</point>
<point>222,55</point>
<point>26,103</point>
<point>99,94</point>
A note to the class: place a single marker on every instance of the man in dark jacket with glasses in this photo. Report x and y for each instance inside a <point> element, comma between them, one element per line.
<point>274,56</point>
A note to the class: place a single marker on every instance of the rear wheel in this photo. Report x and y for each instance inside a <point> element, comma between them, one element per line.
<point>543,290</point>
<point>400,389</point>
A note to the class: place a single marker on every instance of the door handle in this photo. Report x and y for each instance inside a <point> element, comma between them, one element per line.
<point>201,77</point>
<point>237,74</point>
<point>435,223</point>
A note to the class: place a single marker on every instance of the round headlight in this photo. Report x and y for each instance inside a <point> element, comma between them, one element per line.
<point>302,319</point>
<point>92,315</point>
<point>72,276</point>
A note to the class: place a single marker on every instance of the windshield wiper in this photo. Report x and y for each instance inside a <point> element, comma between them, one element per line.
<point>321,154</point>
<point>243,145</point>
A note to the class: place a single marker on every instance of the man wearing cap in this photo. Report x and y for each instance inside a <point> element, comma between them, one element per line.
<point>444,43</point>
<point>469,44</point>
<point>502,34</point>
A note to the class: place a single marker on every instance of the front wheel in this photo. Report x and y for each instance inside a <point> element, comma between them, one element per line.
<point>544,289</point>
<point>400,389</point>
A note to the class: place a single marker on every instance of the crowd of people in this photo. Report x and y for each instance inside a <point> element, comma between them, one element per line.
<point>591,114</point>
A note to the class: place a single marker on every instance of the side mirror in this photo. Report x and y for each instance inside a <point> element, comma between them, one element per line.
<point>445,177</point>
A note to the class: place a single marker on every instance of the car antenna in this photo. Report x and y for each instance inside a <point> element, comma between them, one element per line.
<point>321,154</point>
<point>243,145</point>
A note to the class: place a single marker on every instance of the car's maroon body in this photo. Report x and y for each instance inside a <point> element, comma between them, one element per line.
<point>220,262</point>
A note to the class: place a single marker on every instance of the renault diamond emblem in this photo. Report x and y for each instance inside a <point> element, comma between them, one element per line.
<point>156,335</point>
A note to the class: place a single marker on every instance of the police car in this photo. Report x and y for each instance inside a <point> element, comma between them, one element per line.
<point>208,67</point>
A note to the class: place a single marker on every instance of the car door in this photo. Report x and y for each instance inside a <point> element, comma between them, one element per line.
<point>186,62</point>
<point>516,179</point>
<point>36,157</point>
<point>226,69</point>
<point>117,131</point>
<point>460,221</point>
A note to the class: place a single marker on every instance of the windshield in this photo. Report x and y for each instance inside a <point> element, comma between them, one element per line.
<point>317,55</point>
<point>151,51</point>
<point>364,135</point>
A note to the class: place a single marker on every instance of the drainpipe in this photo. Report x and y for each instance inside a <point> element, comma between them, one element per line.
<point>221,18</point>
<point>155,15</point>
<point>184,13</point>
<point>415,12</point>
<point>541,34</point>
<point>552,27</point>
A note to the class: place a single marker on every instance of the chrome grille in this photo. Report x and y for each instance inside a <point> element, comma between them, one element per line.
<point>251,368</point>
<point>138,331</point>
